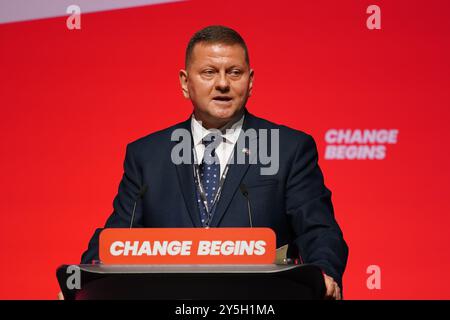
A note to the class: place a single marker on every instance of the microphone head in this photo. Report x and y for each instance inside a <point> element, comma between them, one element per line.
<point>244,190</point>
<point>143,191</point>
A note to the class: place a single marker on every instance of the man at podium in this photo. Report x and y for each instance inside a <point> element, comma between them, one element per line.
<point>225,167</point>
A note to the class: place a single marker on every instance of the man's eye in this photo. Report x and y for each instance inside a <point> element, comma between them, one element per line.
<point>235,72</point>
<point>208,72</point>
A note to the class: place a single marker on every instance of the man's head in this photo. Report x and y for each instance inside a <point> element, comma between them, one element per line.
<point>217,79</point>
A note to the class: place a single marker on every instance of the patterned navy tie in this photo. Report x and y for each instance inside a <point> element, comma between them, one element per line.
<point>209,176</point>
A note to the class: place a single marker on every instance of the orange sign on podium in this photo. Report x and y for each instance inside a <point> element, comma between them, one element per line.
<point>187,246</point>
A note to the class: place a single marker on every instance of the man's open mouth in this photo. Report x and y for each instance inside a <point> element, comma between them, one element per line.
<point>222,98</point>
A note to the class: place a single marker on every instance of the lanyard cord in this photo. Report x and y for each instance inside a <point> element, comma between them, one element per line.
<point>201,191</point>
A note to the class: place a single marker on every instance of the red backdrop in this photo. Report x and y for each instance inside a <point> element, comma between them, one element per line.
<point>72,99</point>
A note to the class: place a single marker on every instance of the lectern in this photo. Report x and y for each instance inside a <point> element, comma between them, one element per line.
<point>194,282</point>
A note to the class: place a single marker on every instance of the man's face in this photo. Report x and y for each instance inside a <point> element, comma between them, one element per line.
<point>218,81</point>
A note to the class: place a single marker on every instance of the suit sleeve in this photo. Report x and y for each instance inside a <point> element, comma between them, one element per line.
<point>129,189</point>
<point>319,238</point>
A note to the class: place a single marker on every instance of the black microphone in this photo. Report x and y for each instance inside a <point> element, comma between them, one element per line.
<point>249,208</point>
<point>139,196</point>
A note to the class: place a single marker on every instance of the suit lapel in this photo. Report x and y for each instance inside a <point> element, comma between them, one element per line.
<point>235,173</point>
<point>186,181</point>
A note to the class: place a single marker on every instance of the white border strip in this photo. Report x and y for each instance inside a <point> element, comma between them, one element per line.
<point>24,10</point>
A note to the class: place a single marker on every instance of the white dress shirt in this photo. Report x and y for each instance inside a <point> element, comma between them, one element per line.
<point>226,146</point>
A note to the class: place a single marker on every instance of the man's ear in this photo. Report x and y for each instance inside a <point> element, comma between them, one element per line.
<point>250,86</point>
<point>184,83</point>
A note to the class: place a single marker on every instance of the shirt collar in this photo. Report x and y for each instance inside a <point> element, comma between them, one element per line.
<point>230,131</point>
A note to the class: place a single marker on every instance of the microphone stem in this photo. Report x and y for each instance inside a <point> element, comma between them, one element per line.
<point>249,212</point>
<point>132,216</point>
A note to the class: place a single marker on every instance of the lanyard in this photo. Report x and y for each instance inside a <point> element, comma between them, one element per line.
<point>201,190</point>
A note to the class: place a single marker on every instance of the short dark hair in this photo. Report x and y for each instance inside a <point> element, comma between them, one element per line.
<point>215,34</point>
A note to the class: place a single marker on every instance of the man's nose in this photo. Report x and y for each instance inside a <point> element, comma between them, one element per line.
<point>222,83</point>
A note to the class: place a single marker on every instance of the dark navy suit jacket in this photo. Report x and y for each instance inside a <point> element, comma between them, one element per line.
<point>294,202</point>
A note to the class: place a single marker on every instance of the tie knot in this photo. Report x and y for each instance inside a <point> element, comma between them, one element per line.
<point>210,138</point>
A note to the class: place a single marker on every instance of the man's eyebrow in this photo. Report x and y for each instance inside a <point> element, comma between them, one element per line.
<point>208,65</point>
<point>236,67</point>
